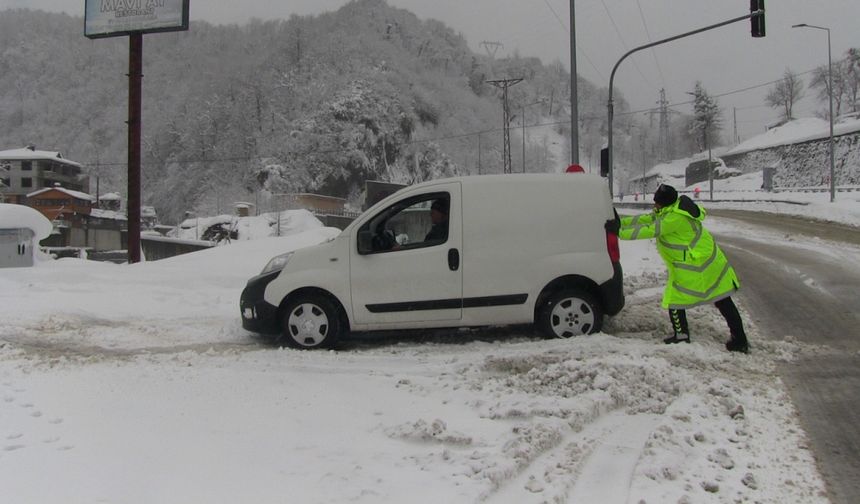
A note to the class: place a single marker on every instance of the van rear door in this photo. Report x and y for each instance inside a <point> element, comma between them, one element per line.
<point>419,277</point>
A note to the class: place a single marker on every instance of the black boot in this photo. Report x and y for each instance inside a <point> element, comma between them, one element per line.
<point>738,345</point>
<point>738,341</point>
<point>679,327</point>
<point>678,338</point>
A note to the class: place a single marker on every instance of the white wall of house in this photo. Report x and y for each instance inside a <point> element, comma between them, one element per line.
<point>16,248</point>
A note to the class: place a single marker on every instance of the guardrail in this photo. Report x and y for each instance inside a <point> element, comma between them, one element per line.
<point>776,190</point>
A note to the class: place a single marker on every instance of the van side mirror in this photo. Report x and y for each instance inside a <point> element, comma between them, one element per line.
<point>365,241</point>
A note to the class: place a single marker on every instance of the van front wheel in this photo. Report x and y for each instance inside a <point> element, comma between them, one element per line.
<point>311,321</point>
<point>568,313</point>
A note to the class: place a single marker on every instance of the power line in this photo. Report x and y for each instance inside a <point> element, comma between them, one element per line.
<point>578,48</point>
<point>727,93</point>
<point>624,43</point>
<point>653,52</point>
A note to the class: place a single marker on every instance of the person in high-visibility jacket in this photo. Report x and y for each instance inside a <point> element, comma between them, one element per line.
<point>699,272</point>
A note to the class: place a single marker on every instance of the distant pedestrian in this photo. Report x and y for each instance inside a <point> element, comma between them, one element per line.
<point>696,192</point>
<point>699,272</point>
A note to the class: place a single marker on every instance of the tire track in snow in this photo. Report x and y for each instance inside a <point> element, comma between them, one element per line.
<point>608,472</point>
<point>595,464</point>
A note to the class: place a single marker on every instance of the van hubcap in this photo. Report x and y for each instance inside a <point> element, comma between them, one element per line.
<point>571,317</point>
<point>308,324</point>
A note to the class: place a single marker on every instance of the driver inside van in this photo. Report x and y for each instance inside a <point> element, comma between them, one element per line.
<point>439,217</point>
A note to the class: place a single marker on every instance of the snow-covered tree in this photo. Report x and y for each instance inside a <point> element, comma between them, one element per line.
<point>785,93</point>
<point>706,123</point>
<point>846,83</point>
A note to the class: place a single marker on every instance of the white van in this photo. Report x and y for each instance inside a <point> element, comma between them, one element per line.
<point>514,249</point>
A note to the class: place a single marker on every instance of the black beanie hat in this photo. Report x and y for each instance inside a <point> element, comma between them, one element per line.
<point>665,195</point>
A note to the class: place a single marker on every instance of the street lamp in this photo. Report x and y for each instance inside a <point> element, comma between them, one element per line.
<point>830,95</point>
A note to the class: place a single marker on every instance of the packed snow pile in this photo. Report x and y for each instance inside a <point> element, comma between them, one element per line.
<point>137,384</point>
<point>226,228</point>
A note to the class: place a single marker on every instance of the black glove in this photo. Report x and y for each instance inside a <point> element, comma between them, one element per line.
<point>612,226</point>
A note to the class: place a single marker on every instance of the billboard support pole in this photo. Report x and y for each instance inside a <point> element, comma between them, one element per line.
<point>135,78</point>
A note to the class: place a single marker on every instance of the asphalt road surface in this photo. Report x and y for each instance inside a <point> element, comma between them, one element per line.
<point>814,297</point>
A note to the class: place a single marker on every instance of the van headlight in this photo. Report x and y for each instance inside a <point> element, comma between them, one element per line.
<point>277,263</point>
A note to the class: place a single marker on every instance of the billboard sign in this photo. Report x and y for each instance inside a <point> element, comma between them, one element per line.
<point>112,18</point>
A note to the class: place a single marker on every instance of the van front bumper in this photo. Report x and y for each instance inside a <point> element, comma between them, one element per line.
<point>612,291</point>
<point>258,315</point>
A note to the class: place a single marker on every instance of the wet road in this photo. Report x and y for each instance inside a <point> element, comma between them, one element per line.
<point>812,296</point>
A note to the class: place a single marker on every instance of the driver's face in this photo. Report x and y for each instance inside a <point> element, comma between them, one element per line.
<point>436,216</point>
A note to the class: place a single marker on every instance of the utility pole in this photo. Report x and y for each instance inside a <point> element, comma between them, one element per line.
<point>504,84</point>
<point>574,94</point>
<point>479,153</point>
<point>735,125</point>
<point>663,142</point>
<point>135,76</point>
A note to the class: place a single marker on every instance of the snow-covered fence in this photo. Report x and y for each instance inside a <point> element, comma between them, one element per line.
<point>162,247</point>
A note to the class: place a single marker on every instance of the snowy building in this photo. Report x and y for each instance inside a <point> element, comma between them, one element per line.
<point>21,230</point>
<point>671,172</point>
<point>76,221</point>
<point>110,201</point>
<point>148,217</point>
<point>26,170</point>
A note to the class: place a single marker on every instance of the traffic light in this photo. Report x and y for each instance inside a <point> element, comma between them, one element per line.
<point>757,22</point>
<point>604,162</point>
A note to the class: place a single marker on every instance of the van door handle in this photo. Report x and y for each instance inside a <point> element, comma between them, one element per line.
<point>453,259</point>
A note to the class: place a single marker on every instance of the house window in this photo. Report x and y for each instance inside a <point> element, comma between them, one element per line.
<point>26,182</point>
<point>6,182</point>
<point>26,165</point>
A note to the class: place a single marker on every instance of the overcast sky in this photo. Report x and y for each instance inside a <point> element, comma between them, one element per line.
<point>725,59</point>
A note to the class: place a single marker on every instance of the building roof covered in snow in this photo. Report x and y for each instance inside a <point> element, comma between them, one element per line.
<point>797,131</point>
<point>111,196</point>
<point>28,153</point>
<point>75,194</point>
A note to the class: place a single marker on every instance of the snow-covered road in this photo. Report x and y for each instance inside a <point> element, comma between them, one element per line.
<point>806,287</point>
<point>498,415</point>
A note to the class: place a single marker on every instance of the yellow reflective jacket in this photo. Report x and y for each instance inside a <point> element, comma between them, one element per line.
<point>699,272</point>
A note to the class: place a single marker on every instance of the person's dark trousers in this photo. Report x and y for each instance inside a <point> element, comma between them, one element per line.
<point>679,323</point>
<point>738,341</point>
<point>679,327</point>
<point>733,318</point>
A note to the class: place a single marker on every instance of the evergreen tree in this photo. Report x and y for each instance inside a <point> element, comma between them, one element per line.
<point>706,122</point>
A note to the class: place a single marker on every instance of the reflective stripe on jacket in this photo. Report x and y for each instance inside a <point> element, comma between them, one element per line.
<point>699,272</point>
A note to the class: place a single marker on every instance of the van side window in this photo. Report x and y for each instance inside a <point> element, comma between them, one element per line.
<point>421,221</point>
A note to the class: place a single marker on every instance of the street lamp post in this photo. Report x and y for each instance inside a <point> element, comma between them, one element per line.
<point>830,95</point>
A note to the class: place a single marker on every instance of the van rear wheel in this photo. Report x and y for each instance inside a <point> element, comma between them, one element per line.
<point>311,321</point>
<point>568,313</point>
